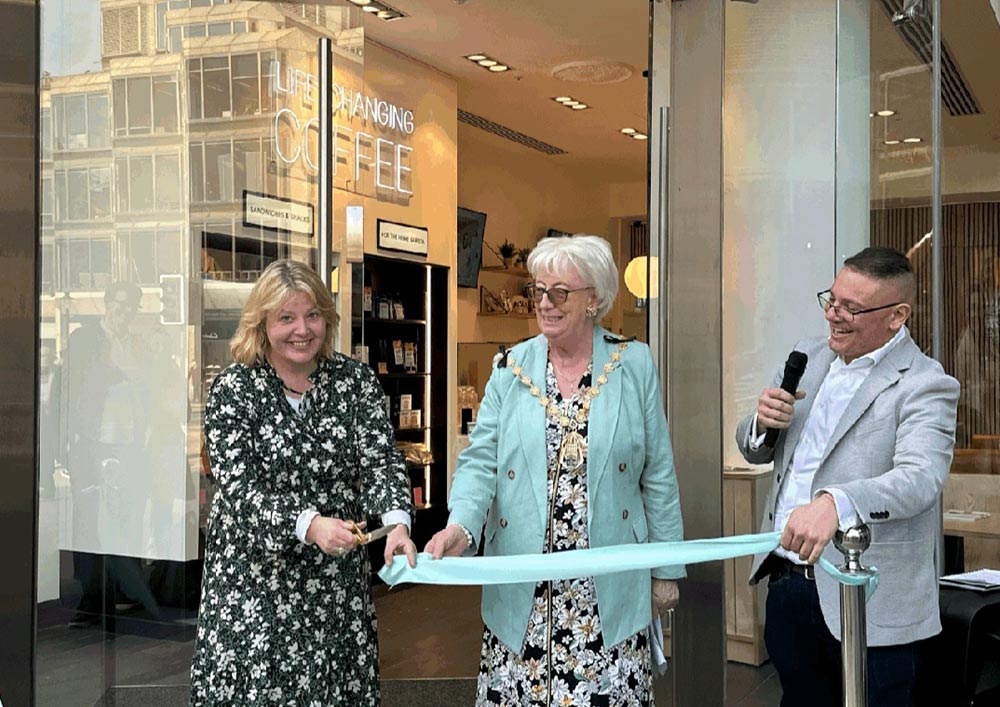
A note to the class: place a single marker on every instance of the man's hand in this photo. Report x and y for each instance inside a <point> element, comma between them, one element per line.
<point>450,542</point>
<point>774,409</point>
<point>333,535</point>
<point>666,595</point>
<point>811,527</point>
<point>399,543</point>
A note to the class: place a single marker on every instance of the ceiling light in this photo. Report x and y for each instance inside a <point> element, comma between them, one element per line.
<point>891,142</point>
<point>640,136</point>
<point>628,131</point>
<point>570,102</point>
<point>885,113</point>
<point>871,115</point>
<point>913,139</point>
<point>380,9</point>
<point>488,62</point>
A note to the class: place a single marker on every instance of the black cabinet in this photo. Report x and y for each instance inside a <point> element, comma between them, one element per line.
<point>400,328</point>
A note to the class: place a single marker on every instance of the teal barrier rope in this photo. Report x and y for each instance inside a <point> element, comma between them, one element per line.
<point>516,569</point>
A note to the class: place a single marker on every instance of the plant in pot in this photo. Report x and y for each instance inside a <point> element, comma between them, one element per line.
<point>507,251</point>
<point>522,257</point>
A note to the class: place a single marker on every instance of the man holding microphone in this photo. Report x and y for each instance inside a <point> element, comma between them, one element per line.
<point>867,438</point>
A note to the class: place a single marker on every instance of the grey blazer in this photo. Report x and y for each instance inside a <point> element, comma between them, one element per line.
<point>890,454</point>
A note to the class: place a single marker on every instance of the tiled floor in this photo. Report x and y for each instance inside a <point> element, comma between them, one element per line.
<point>429,641</point>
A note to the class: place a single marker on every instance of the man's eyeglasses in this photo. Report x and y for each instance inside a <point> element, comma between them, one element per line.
<point>846,312</point>
<point>557,295</point>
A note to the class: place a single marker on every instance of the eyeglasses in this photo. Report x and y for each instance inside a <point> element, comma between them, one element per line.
<point>557,295</point>
<point>845,312</point>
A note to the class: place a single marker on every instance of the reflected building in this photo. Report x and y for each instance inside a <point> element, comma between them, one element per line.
<point>144,169</point>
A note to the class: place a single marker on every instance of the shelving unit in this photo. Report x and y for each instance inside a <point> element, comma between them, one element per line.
<point>515,272</point>
<point>419,293</point>
<point>521,277</point>
<point>509,315</point>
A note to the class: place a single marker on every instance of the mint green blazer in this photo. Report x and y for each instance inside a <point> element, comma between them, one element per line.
<point>632,496</point>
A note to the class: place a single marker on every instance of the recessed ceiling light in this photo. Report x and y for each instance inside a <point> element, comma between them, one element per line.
<point>487,62</point>
<point>913,139</point>
<point>472,57</point>
<point>871,115</point>
<point>885,113</point>
<point>639,136</point>
<point>499,67</point>
<point>563,99</point>
<point>891,142</point>
<point>370,8</point>
<point>361,2</point>
<point>628,131</point>
<point>580,106</point>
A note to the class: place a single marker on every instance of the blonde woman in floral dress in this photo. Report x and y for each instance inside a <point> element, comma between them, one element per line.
<point>570,451</point>
<point>300,447</point>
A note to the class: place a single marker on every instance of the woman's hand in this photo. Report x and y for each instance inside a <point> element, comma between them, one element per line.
<point>398,543</point>
<point>450,542</point>
<point>666,595</point>
<point>333,535</point>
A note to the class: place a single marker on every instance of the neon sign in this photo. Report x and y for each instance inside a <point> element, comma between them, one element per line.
<point>366,150</point>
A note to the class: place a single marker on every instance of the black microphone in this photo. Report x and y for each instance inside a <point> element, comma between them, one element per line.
<point>795,366</point>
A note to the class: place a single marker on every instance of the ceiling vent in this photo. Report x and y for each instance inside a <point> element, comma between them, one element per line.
<point>593,72</point>
<point>489,126</point>
<point>914,26</point>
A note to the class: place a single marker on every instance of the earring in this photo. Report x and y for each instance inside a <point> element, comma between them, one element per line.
<point>591,311</point>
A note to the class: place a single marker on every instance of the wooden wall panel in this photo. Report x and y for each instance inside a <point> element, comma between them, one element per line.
<point>971,307</point>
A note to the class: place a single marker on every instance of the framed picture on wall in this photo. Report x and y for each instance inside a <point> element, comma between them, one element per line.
<point>471,228</point>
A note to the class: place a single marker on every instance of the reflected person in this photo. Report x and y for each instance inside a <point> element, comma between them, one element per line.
<point>107,430</point>
<point>867,439</point>
<point>300,446</point>
<point>570,451</point>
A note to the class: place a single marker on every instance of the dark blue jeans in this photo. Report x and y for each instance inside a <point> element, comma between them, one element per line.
<point>807,656</point>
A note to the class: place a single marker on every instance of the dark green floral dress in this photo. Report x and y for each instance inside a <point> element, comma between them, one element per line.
<point>282,623</point>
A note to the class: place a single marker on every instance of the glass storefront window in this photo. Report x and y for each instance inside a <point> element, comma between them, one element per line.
<point>148,143</point>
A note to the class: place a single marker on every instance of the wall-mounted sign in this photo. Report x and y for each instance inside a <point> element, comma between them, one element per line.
<point>401,237</point>
<point>296,135</point>
<point>276,213</point>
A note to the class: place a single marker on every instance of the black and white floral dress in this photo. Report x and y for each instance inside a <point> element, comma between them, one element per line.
<point>564,661</point>
<point>282,623</point>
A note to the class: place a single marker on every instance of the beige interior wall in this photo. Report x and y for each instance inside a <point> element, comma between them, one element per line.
<point>523,194</point>
<point>433,97</point>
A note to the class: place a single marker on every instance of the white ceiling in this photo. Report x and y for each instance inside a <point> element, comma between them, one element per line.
<point>535,37</point>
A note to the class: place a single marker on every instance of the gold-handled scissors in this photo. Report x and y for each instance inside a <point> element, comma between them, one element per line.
<point>365,538</point>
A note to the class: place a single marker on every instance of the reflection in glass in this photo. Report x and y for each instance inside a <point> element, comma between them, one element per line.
<point>144,159</point>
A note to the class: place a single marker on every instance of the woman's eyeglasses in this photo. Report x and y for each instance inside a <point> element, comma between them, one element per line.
<point>557,295</point>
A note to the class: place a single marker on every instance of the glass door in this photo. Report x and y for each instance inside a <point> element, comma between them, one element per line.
<point>179,158</point>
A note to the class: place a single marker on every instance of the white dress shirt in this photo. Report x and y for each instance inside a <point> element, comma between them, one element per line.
<point>839,386</point>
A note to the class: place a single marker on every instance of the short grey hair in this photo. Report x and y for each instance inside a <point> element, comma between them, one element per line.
<point>589,255</point>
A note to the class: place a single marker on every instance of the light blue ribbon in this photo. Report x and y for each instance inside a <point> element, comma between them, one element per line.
<point>516,569</point>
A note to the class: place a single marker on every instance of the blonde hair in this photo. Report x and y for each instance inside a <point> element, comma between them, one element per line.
<point>279,281</point>
<point>589,255</point>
